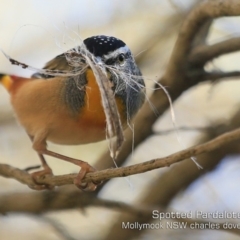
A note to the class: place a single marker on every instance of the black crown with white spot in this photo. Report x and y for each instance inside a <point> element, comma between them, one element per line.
<point>101,45</point>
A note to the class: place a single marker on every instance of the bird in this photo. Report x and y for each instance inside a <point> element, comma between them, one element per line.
<point>67,109</point>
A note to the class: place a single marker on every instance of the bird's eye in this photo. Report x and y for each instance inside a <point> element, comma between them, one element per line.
<point>121,59</point>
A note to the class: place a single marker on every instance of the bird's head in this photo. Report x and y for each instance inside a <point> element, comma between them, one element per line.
<point>123,72</point>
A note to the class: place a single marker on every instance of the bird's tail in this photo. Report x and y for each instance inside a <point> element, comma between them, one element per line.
<point>6,81</point>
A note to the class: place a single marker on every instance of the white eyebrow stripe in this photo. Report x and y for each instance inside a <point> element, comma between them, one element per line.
<point>115,53</point>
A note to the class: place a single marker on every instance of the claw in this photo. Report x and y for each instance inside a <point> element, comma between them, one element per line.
<point>89,186</point>
<point>36,175</point>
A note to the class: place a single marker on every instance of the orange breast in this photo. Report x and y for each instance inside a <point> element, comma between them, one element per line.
<point>92,115</point>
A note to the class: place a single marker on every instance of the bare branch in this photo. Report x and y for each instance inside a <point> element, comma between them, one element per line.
<point>197,18</point>
<point>45,201</point>
<point>204,53</point>
<point>217,75</point>
<point>201,35</point>
<point>24,177</point>
<point>179,75</point>
<point>166,186</point>
<point>213,75</point>
<point>16,173</point>
<point>178,79</point>
<point>182,128</point>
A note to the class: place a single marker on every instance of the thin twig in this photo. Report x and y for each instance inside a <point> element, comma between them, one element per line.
<point>24,177</point>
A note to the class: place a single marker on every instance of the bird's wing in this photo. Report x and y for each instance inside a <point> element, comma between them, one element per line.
<point>58,63</point>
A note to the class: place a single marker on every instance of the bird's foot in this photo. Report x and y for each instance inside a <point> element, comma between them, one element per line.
<point>87,186</point>
<point>39,174</point>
